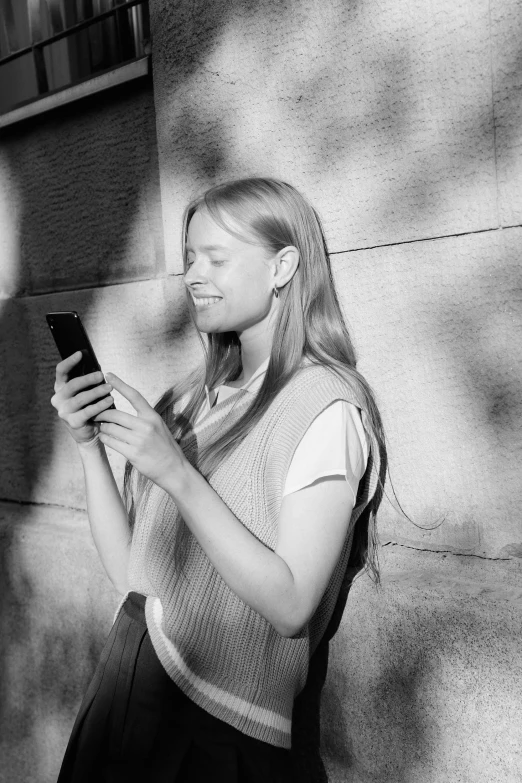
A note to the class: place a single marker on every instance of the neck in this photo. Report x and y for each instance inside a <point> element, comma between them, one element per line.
<point>253,353</point>
<point>256,342</point>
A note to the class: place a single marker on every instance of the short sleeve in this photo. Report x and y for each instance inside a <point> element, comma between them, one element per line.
<point>335,444</point>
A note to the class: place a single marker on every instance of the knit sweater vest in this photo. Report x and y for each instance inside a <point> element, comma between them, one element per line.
<point>221,653</point>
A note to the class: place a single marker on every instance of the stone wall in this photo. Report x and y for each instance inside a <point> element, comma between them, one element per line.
<point>80,229</point>
<point>401,122</point>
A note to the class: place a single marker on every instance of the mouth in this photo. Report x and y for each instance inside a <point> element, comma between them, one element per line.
<point>204,302</point>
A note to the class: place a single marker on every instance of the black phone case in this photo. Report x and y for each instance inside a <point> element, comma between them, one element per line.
<point>70,336</point>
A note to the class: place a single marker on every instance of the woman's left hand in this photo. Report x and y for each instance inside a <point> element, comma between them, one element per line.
<point>144,439</point>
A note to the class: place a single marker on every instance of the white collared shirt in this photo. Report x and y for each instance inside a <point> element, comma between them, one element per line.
<point>335,444</point>
<point>223,391</point>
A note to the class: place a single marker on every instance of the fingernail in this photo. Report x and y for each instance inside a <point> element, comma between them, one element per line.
<point>108,375</point>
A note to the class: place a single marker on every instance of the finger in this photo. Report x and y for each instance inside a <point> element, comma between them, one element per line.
<point>64,367</point>
<point>121,433</point>
<point>117,445</point>
<point>120,417</point>
<point>88,396</point>
<point>78,384</point>
<point>138,402</point>
<point>84,415</point>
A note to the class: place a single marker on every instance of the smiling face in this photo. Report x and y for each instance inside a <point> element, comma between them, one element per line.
<point>230,281</point>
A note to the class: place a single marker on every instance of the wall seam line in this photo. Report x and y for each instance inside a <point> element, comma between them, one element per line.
<point>447,552</point>
<point>92,287</point>
<point>493,116</point>
<point>37,504</point>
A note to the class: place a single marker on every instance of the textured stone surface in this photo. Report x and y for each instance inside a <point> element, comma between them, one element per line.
<point>141,331</point>
<point>84,194</point>
<point>424,682</point>
<point>56,609</point>
<point>10,201</point>
<point>438,328</point>
<point>380,112</point>
<point>506,36</point>
<point>425,677</point>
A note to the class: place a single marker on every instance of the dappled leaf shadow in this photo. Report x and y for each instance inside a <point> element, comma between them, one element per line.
<point>81,172</point>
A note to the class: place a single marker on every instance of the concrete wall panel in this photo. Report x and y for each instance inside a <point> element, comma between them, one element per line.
<point>141,331</point>
<point>439,332</point>
<point>380,112</point>
<point>92,166</point>
<point>506,37</point>
<point>425,676</point>
<point>424,680</point>
<point>57,607</point>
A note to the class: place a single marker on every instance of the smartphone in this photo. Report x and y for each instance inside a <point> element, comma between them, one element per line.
<point>70,336</point>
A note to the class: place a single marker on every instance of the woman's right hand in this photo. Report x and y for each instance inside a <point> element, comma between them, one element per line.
<point>75,403</point>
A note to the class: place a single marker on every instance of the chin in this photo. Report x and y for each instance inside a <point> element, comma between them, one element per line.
<point>209,329</point>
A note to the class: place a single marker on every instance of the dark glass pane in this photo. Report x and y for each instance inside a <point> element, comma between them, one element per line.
<point>125,33</point>
<point>85,9</point>
<point>46,19</point>
<point>104,45</point>
<point>79,47</point>
<point>100,6</point>
<point>4,46</point>
<point>138,29</point>
<point>57,64</point>
<point>17,82</point>
<point>56,15</point>
<point>16,24</point>
<point>39,23</point>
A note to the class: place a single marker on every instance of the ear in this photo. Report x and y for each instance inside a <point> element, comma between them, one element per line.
<point>286,263</point>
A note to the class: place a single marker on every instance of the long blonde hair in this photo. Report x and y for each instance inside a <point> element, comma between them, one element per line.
<point>309,324</point>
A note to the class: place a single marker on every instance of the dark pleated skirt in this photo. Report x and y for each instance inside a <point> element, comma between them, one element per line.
<point>135,724</point>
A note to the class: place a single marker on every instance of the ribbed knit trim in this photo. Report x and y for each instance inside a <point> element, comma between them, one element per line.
<point>251,719</point>
<point>122,601</point>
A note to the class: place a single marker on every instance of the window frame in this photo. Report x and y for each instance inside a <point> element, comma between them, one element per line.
<point>98,81</point>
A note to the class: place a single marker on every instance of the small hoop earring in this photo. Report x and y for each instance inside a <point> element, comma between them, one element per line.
<point>276,292</point>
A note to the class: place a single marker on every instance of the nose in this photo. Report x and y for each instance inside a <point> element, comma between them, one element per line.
<point>195,273</point>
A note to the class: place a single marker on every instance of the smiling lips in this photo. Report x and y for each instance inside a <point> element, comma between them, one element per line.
<point>205,301</point>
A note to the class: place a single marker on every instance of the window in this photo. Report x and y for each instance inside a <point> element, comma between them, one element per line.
<point>48,46</point>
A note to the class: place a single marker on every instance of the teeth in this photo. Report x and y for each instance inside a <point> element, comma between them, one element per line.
<point>205,301</point>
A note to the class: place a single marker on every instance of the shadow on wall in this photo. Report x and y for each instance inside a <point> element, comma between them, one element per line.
<point>437,697</point>
<point>399,122</point>
<point>388,736</point>
<point>489,337</point>
<point>77,176</point>
<point>80,172</point>
<point>51,637</point>
<point>375,724</point>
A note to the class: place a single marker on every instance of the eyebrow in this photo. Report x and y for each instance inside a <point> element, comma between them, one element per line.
<point>207,247</point>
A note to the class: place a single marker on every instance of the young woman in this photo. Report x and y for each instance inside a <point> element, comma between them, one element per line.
<point>249,502</point>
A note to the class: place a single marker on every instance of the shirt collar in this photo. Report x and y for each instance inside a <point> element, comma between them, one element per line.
<point>253,384</point>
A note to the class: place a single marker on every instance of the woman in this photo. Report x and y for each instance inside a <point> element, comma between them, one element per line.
<point>249,502</point>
